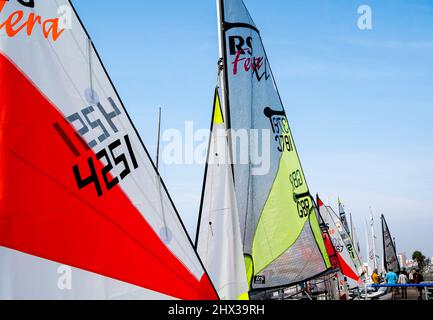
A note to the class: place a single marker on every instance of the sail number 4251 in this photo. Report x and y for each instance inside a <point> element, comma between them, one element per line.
<point>107,155</point>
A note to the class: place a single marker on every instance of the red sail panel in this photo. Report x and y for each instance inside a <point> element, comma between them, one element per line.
<point>43,213</point>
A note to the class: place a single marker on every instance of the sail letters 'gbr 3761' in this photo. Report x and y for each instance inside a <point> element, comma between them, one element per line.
<point>77,186</point>
<point>281,237</point>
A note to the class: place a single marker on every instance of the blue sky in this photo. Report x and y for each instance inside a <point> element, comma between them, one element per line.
<point>360,103</point>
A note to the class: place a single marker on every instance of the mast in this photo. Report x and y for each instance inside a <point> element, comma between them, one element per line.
<point>373,235</point>
<point>223,62</point>
<point>367,243</point>
<point>384,245</point>
<point>159,139</point>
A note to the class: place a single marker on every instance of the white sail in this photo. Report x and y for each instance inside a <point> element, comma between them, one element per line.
<point>218,240</point>
<point>343,217</point>
<point>355,241</point>
<point>83,212</point>
<point>373,256</point>
<point>368,251</point>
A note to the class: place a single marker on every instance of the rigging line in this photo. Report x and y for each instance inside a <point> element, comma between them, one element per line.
<point>102,89</point>
<point>164,218</point>
<point>89,44</point>
<point>210,215</point>
<point>97,80</point>
<point>66,73</point>
<point>83,54</point>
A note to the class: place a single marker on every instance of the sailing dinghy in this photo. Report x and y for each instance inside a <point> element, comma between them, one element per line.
<point>83,212</point>
<point>390,258</point>
<point>280,236</point>
<point>344,249</point>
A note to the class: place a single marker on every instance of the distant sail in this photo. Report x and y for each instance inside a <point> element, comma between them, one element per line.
<point>347,242</point>
<point>327,239</point>
<point>369,252</point>
<point>218,236</point>
<point>343,217</point>
<point>389,253</point>
<point>345,253</point>
<point>82,213</point>
<point>355,241</point>
<point>281,236</point>
<point>373,256</point>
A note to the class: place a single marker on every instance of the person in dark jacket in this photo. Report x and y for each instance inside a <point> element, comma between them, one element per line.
<point>418,278</point>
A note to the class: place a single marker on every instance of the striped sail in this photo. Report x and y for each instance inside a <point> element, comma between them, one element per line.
<point>281,237</point>
<point>83,212</point>
<point>344,252</point>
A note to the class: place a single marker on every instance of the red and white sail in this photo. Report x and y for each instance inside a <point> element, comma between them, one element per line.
<point>83,213</point>
<point>343,252</point>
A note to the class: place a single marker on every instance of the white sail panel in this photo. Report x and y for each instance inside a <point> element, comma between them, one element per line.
<point>373,256</point>
<point>369,252</point>
<point>353,252</point>
<point>218,236</point>
<point>77,185</point>
<point>343,217</point>
<point>25,277</point>
<point>355,241</point>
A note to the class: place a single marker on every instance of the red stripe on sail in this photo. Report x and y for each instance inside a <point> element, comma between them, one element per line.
<point>319,202</point>
<point>346,269</point>
<point>42,212</point>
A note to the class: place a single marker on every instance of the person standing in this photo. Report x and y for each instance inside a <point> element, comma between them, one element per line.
<point>417,279</point>
<point>403,279</point>
<point>411,273</point>
<point>375,277</point>
<point>391,278</point>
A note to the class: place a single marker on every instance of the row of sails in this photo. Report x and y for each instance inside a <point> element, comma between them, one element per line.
<point>84,213</point>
